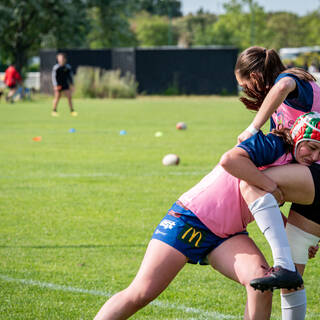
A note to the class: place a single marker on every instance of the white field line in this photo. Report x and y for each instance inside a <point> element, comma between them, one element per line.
<point>108,174</point>
<point>114,174</point>
<point>201,314</point>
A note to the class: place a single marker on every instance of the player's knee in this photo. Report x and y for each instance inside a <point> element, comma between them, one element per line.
<point>257,272</point>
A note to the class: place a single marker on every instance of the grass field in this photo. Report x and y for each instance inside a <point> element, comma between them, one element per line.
<point>78,209</point>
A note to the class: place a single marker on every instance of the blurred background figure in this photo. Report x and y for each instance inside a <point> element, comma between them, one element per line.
<point>291,64</point>
<point>313,68</point>
<point>62,80</point>
<point>12,79</point>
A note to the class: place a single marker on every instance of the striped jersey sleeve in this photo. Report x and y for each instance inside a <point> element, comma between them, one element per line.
<point>54,75</point>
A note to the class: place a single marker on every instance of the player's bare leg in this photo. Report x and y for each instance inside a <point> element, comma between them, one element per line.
<point>239,259</point>
<point>68,94</point>
<point>57,96</point>
<point>294,180</point>
<point>10,95</point>
<point>160,265</point>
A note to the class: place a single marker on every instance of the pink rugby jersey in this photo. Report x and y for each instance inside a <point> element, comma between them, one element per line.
<point>305,98</point>
<point>216,200</point>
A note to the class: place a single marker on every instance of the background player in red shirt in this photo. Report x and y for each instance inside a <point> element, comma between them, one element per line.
<point>12,78</point>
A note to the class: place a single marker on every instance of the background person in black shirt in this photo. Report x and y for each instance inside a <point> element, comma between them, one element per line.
<point>62,80</point>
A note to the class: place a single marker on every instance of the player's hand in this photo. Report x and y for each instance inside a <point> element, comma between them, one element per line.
<point>244,136</point>
<point>277,193</point>
<point>313,251</point>
<point>57,88</point>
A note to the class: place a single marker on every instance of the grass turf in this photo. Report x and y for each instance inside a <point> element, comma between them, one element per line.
<point>78,209</point>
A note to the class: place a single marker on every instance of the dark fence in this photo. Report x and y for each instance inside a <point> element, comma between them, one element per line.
<point>190,71</point>
<point>207,70</point>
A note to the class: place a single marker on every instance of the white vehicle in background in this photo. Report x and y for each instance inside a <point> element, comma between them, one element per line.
<point>293,53</point>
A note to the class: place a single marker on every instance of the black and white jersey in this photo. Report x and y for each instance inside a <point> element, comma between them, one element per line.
<point>62,76</point>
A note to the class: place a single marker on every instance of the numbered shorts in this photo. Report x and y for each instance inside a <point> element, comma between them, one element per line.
<point>182,230</point>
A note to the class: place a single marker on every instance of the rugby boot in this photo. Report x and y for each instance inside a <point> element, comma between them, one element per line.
<point>278,278</point>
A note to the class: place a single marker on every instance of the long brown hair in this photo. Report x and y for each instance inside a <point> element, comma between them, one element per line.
<point>266,65</point>
<point>285,135</point>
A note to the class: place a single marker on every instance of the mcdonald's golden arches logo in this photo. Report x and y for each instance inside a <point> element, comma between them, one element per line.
<point>190,234</point>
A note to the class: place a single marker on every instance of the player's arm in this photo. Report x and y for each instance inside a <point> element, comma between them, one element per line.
<point>260,150</point>
<point>238,163</point>
<point>313,251</point>
<point>54,78</point>
<point>272,101</point>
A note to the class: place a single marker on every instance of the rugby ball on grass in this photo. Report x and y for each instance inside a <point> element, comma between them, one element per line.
<point>170,160</point>
<point>181,126</point>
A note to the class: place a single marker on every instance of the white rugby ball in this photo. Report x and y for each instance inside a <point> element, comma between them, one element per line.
<point>181,126</point>
<point>170,160</point>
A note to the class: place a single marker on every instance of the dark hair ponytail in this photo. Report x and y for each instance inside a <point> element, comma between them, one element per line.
<point>273,66</point>
<point>266,66</point>
<point>285,135</point>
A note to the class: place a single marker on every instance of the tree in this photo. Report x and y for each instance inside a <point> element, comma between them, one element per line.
<point>234,27</point>
<point>284,30</point>
<point>170,8</point>
<point>152,30</point>
<point>109,23</point>
<point>23,24</point>
<point>310,24</point>
<point>192,27</point>
<point>70,26</point>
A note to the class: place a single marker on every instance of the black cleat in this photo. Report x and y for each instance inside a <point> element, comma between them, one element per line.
<point>278,278</point>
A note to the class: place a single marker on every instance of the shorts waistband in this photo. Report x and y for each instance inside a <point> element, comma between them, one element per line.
<point>179,203</point>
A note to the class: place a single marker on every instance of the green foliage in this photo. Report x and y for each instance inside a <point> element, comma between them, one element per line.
<point>284,30</point>
<point>172,90</point>
<point>23,25</point>
<point>33,68</point>
<point>310,24</point>
<point>97,83</point>
<point>192,28</point>
<point>170,8</point>
<point>153,30</point>
<point>235,26</point>
<point>109,24</point>
<point>69,26</point>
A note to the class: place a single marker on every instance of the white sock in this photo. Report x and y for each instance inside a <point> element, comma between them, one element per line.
<point>294,305</point>
<point>267,214</point>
